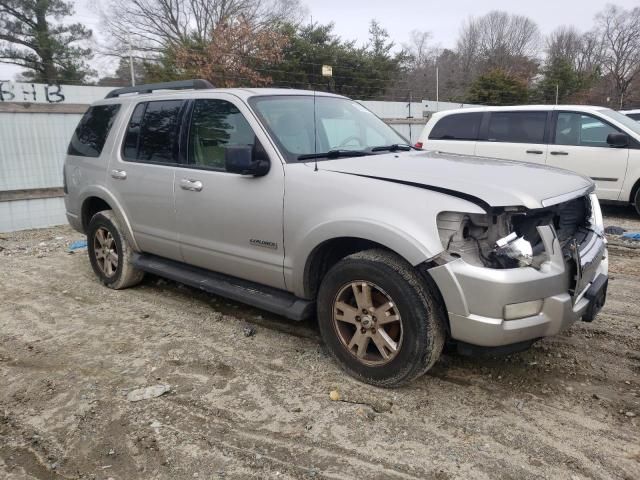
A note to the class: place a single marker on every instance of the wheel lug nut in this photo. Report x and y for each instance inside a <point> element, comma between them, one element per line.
<point>373,330</point>
<point>364,310</point>
<point>374,319</point>
<point>357,318</point>
<point>363,330</point>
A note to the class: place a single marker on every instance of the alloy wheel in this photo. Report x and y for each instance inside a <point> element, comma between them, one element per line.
<point>367,322</point>
<point>106,252</point>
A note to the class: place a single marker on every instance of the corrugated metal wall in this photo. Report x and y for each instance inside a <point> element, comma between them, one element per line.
<point>33,144</point>
<point>32,147</point>
<point>36,123</point>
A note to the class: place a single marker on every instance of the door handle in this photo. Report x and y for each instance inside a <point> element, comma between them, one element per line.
<point>559,153</point>
<point>119,174</point>
<point>536,152</point>
<point>191,185</point>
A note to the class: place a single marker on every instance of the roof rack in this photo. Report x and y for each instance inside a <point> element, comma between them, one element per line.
<point>197,84</point>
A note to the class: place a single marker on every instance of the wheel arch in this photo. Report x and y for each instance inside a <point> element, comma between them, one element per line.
<point>634,193</point>
<point>97,199</point>
<point>326,247</point>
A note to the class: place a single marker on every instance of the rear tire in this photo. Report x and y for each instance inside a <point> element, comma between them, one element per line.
<point>379,318</point>
<point>110,253</point>
<point>636,203</point>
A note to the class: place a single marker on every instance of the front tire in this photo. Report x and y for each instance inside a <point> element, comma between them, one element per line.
<point>379,319</point>
<point>110,253</point>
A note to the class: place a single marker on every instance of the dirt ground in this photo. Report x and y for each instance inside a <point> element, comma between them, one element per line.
<point>258,406</point>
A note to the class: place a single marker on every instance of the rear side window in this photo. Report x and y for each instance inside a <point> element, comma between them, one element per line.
<point>634,116</point>
<point>460,126</point>
<point>152,134</point>
<point>517,127</point>
<point>92,131</point>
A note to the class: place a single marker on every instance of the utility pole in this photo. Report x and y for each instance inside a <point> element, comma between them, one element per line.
<point>557,92</point>
<point>410,116</point>
<point>133,76</point>
<point>437,89</point>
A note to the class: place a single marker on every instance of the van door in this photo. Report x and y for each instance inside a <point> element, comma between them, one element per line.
<point>227,222</point>
<point>579,143</point>
<point>141,174</point>
<point>455,133</point>
<point>515,135</point>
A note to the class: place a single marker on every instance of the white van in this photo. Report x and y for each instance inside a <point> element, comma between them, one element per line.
<point>634,114</point>
<point>594,141</point>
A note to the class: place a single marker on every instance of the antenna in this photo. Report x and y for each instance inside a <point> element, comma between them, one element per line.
<point>315,131</point>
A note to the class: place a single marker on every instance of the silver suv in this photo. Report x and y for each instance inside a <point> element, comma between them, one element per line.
<point>307,204</point>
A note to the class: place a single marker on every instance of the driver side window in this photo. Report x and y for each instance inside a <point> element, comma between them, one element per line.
<point>216,125</point>
<point>582,130</point>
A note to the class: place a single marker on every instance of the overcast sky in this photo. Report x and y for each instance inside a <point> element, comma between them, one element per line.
<point>442,18</point>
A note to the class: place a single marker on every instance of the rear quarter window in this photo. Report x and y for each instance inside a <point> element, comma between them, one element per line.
<point>91,133</point>
<point>459,126</point>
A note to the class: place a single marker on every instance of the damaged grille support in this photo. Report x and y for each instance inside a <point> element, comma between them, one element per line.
<point>511,239</point>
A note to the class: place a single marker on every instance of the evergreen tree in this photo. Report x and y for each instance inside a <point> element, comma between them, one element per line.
<point>34,36</point>
<point>497,88</point>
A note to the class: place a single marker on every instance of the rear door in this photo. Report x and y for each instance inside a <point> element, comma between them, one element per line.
<point>455,133</point>
<point>579,143</point>
<point>141,174</point>
<point>514,135</point>
<point>227,222</point>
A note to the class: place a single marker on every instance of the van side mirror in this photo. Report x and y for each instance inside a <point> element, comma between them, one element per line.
<point>246,160</point>
<point>618,140</point>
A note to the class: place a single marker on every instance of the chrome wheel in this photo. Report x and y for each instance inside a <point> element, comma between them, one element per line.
<point>106,252</point>
<point>368,323</point>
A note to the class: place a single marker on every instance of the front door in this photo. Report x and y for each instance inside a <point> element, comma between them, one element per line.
<point>580,144</point>
<point>226,222</point>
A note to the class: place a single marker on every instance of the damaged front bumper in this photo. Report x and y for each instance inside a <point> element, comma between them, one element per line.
<point>564,291</point>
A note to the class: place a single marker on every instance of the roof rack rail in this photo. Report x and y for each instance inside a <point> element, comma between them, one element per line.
<point>197,84</point>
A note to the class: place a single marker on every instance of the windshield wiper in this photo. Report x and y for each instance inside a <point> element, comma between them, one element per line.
<point>331,154</point>
<point>394,148</point>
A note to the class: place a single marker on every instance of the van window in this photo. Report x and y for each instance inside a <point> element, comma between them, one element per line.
<point>215,125</point>
<point>582,130</point>
<point>152,134</point>
<point>92,131</point>
<point>459,126</point>
<point>517,127</point>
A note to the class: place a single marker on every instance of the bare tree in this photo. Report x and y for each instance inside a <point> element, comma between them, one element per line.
<point>420,50</point>
<point>153,26</point>
<point>496,39</point>
<point>620,32</point>
<point>584,52</point>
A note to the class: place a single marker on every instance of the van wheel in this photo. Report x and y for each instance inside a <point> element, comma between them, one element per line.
<point>637,201</point>
<point>110,253</point>
<point>379,319</point>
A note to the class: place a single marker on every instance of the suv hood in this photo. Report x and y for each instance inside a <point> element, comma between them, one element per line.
<point>487,182</point>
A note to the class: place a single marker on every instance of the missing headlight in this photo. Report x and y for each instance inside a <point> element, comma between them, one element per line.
<point>512,251</point>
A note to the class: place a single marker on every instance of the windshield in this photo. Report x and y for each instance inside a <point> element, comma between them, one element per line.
<point>340,125</point>
<point>630,123</point>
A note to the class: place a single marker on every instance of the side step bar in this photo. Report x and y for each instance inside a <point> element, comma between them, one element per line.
<point>259,296</point>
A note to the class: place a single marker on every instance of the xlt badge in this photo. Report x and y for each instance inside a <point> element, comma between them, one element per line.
<point>263,243</point>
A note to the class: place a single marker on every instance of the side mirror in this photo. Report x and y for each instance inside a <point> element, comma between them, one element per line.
<point>618,140</point>
<point>246,160</point>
